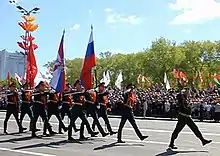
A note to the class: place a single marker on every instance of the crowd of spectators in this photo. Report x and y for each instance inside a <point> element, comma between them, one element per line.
<point>158,102</point>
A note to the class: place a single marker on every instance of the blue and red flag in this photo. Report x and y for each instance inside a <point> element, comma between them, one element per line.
<point>58,81</point>
<point>89,62</point>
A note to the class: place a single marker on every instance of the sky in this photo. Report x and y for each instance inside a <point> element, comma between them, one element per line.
<point>124,26</point>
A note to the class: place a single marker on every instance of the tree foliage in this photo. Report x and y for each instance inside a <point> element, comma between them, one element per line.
<point>162,56</point>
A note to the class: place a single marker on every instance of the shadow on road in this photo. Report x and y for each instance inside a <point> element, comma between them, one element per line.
<point>115,144</point>
<point>172,152</point>
<point>14,140</point>
<point>51,144</point>
<point>14,133</point>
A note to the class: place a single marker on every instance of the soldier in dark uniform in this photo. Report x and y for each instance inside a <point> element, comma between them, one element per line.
<point>78,111</point>
<point>67,104</point>
<point>12,107</point>
<point>39,108</point>
<point>101,101</point>
<point>52,109</point>
<point>127,113</point>
<point>90,108</point>
<point>26,99</point>
<point>184,118</point>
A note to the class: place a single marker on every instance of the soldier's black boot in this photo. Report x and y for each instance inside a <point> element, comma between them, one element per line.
<point>143,138</point>
<point>5,128</point>
<point>172,146</point>
<point>205,142</point>
<point>112,133</point>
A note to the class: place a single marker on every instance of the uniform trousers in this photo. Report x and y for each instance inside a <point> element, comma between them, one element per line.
<point>63,111</point>
<point>102,112</point>
<point>182,121</point>
<point>78,111</point>
<point>91,109</point>
<point>26,109</point>
<point>53,110</point>
<point>11,109</point>
<point>39,110</point>
<point>127,114</point>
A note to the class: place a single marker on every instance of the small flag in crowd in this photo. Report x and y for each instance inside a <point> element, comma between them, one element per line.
<point>119,80</point>
<point>8,78</point>
<point>89,62</point>
<point>58,81</point>
<point>18,78</point>
<point>166,82</point>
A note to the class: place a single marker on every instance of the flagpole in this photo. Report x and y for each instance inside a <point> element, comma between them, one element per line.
<point>96,80</point>
<point>95,69</point>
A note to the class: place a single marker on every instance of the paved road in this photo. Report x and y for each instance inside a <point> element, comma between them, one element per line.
<point>159,132</point>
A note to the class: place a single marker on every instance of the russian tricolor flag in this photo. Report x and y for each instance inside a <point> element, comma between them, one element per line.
<point>58,81</point>
<point>89,62</point>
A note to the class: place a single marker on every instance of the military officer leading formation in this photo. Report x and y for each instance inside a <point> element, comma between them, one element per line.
<point>76,102</point>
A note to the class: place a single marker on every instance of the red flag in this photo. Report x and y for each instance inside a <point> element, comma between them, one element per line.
<point>32,69</point>
<point>9,79</point>
<point>88,64</point>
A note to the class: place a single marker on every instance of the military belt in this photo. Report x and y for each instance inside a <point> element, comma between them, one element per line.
<point>185,115</point>
<point>39,102</point>
<point>79,104</point>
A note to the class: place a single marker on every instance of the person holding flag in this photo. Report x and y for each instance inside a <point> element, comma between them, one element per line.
<point>58,83</point>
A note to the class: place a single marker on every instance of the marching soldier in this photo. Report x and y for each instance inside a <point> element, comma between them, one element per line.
<point>26,104</point>
<point>127,113</point>
<point>39,108</point>
<point>90,108</point>
<point>101,100</point>
<point>53,109</point>
<point>78,111</point>
<point>184,118</point>
<point>12,107</point>
<point>67,104</point>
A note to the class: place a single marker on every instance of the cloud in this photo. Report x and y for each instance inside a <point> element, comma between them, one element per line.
<point>108,10</point>
<point>75,27</point>
<point>113,17</point>
<point>195,11</point>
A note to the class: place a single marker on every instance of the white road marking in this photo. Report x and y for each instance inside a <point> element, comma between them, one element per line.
<point>24,152</point>
<point>139,141</point>
<point>131,129</point>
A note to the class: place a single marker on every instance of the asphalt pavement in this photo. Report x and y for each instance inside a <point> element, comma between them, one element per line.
<point>159,132</point>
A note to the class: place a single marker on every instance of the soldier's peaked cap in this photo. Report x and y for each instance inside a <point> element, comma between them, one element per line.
<point>131,85</point>
<point>40,83</point>
<point>77,82</point>
<point>12,84</point>
<point>102,84</point>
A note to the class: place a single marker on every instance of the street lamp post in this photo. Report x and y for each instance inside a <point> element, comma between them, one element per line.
<point>25,12</point>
